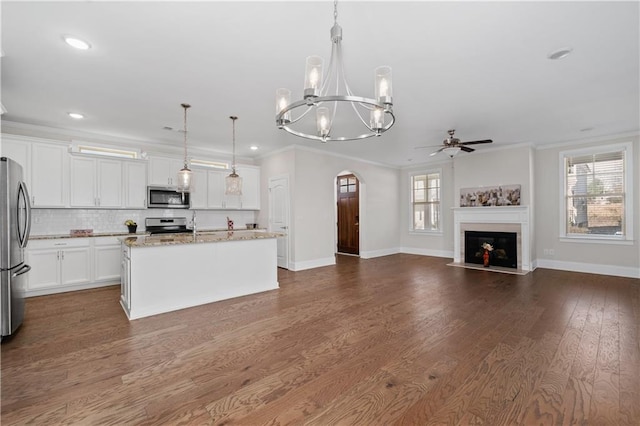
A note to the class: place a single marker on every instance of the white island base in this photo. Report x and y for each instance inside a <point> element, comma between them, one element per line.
<point>164,278</point>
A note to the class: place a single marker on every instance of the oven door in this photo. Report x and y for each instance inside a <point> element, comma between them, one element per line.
<point>167,198</point>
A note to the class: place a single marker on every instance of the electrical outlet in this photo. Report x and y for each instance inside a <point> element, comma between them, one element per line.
<point>546,252</point>
<point>36,219</point>
<point>552,252</point>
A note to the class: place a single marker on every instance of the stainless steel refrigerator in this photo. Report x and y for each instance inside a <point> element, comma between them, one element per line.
<point>15,224</point>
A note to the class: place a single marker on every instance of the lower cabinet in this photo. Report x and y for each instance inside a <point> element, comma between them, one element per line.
<point>65,264</point>
<point>125,279</point>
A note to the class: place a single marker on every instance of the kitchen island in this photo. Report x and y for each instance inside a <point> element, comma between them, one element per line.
<point>163,273</point>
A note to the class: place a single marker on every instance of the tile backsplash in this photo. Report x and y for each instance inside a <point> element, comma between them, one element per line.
<point>62,221</point>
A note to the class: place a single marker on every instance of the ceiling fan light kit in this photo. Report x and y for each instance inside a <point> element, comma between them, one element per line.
<point>325,94</point>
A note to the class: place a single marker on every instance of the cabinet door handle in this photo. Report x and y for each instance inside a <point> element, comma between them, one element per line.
<point>62,255</point>
<point>33,199</point>
<point>58,255</point>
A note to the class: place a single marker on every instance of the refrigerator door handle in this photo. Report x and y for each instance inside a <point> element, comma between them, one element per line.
<point>23,270</point>
<point>23,235</point>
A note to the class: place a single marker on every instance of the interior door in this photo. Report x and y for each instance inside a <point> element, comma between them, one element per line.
<point>348,191</point>
<point>279,216</point>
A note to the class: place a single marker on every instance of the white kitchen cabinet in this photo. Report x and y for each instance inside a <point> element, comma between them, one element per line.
<point>58,264</point>
<point>49,177</point>
<point>95,182</point>
<point>135,185</point>
<point>125,279</point>
<point>250,199</point>
<point>163,171</point>
<point>106,259</point>
<point>20,151</point>
<point>199,191</point>
<point>215,189</point>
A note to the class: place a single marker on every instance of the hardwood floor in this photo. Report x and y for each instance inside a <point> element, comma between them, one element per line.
<point>400,339</point>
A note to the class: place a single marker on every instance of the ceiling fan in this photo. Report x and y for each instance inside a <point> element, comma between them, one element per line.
<point>452,145</point>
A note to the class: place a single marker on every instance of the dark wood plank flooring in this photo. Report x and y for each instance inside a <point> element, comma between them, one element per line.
<point>400,339</point>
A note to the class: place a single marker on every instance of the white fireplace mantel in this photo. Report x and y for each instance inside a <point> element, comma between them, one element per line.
<point>492,216</point>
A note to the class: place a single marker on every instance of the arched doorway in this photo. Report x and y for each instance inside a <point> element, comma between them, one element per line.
<point>348,214</point>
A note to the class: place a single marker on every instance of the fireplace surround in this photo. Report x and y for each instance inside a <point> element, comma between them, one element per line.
<point>511,219</point>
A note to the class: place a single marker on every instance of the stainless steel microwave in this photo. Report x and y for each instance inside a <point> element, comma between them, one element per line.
<point>166,197</point>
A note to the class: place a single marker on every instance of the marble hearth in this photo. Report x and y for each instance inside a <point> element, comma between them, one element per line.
<point>493,219</point>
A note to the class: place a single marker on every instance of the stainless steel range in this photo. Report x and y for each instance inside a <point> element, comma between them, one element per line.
<point>166,225</point>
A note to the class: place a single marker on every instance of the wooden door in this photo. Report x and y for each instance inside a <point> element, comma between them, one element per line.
<point>348,191</point>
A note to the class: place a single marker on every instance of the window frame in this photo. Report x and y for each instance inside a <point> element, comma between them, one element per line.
<point>411,203</point>
<point>626,148</point>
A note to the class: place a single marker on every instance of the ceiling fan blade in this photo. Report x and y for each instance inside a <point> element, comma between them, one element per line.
<point>435,152</point>
<point>426,146</point>
<point>466,148</point>
<point>476,142</point>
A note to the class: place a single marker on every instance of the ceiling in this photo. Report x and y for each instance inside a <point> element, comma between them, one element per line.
<point>478,67</point>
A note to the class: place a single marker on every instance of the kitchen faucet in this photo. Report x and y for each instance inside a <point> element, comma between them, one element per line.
<point>193,222</point>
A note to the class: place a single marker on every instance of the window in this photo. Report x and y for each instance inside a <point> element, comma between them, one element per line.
<point>206,163</point>
<point>425,201</point>
<point>597,193</point>
<point>107,152</point>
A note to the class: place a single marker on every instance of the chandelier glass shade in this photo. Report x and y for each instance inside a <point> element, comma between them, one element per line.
<point>233,182</point>
<point>185,176</point>
<point>329,111</point>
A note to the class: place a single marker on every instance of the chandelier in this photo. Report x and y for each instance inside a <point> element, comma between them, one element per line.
<point>323,96</point>
<point>185,177</point>
<point>233,182</point>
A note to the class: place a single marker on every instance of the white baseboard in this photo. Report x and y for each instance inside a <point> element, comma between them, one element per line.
<point>370,254</point>
<point>427,252</point>
<point>310,264</point>
<point>64,289</point>
<point>590,268</point>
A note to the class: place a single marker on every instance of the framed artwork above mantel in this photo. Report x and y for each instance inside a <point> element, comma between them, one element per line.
<point>490,196</point>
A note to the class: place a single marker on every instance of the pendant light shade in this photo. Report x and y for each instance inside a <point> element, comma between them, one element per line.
<point>233,182</point>
<point>185,176</point>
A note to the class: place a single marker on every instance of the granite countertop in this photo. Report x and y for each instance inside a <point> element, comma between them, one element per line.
<point>122,234</point>
<point>96,234</point>
<point>199,237</point>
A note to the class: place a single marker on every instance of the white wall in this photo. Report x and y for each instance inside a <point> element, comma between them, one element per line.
<point>430,244</point>
<point>605,258</point>
<point>313,204</point>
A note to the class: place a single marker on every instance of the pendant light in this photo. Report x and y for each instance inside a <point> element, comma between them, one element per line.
<point>233,182</point>
<point>185,177</point>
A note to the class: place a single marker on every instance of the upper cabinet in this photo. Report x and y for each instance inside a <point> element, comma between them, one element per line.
<point>96,182</point>
<point>19,151</point>
<point>135,184</point>
<point>250,198</point>
<point>49,178</point>
<point>199,191</point>
<point>163,171</point>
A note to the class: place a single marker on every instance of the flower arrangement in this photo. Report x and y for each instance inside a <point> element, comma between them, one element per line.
<point>130,222</point>
<point>487,246</point>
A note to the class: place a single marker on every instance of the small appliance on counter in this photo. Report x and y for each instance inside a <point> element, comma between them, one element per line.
<point>166,225</point>
<point>15,225</point>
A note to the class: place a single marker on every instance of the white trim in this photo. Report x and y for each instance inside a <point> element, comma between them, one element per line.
<point>587,240</point>
<point>66,288</point>
<point>410,176</point>
<point>627,149</point>
<point>585,141</point>
<point>427,233</point>
<point>427,252</point>
<point>370,254</point>
<point>494,215</point>
<point>589,268</point>
<point>310,264</point>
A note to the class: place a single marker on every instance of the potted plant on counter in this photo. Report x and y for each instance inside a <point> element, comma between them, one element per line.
<point>132,225</point>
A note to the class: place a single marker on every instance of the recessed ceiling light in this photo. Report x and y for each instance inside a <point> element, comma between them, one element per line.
<point>254,147</point>
<point>560,53</point>
<point>76,42</point>
<point>76,115</point>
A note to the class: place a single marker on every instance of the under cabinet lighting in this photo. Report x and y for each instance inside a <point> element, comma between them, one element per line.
<point>76,115</point>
